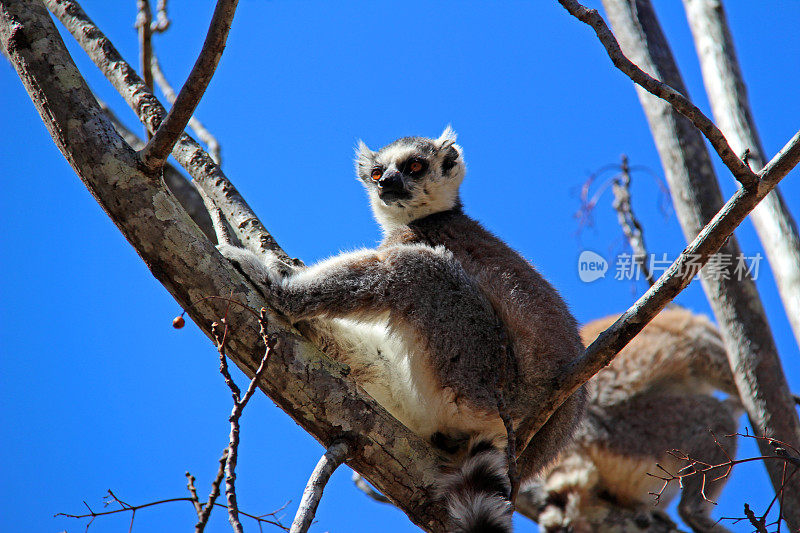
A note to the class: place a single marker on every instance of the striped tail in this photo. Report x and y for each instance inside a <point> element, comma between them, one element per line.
<point>477,492</point>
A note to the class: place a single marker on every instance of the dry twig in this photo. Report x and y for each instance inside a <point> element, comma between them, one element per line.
<point>631,227</point>
<point>696,467</point>
<point>125,507</point>
<point>239,403</point>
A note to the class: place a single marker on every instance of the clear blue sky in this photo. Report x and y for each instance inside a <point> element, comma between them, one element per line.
<point>98,391</point>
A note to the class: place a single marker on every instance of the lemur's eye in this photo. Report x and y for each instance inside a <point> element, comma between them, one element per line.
<point>415,166</point>
<point>377,172</point>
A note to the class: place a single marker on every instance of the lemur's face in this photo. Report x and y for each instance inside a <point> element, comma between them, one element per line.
<point>411,178</point>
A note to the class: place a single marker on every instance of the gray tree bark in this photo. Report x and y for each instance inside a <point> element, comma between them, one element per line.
<point>697,198</point>
<point>727,93</point>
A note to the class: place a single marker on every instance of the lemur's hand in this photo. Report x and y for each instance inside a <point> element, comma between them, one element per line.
<point>266,270</point>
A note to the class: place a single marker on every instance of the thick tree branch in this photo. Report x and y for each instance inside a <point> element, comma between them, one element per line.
<point>184,191</point>
<point>330,461</point>
<point>726,91</point>
<point>697,197</point>
<point>662,90</point>
<point>397,462</point>
<point>187,152</point>
<point>159,147</point>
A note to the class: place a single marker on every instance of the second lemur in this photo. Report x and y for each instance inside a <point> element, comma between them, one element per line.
<point>442,324</point>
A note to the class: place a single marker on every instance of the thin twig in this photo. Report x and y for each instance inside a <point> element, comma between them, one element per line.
<point>144,19</point>
<point>160,146</point>
<point>239,403</point>
<point>198,508</point>
<point>631,227</point>
<point>133,508</point>
<point>202,518</point>
<point>197,127</point>
<point>333,457</point>
<point>738,168</point>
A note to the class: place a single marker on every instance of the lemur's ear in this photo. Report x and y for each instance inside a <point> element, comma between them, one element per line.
<point>364,156</point>
<point>446,139</point>
<point>446,144</point>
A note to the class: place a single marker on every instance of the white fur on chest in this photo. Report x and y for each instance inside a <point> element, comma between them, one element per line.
<point>398,378</point>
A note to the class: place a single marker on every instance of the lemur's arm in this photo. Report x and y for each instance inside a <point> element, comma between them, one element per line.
<point>397,279</point>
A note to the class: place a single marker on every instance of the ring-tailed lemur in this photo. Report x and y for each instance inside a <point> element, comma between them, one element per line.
<point>441,324</point>
<point>655,396</point>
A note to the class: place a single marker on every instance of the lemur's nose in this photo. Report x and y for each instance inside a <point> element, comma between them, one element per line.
<point>391,179</point>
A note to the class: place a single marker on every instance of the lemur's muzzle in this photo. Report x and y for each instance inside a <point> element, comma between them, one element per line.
<point>390,187</point>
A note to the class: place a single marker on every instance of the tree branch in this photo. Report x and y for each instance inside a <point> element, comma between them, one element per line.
<point>197,127</point>
<point>159,147</point>
<point>726,91</point>
<point>144,20</point>
<point>330,461</point>
<point>187,152</point>
<point>189,197</point>
<point>662,90</point>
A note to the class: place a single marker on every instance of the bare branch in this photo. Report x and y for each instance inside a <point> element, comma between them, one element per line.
<point>631,227</point>
<point>726,90</point>
<point>198,508</point>
<point>236,413</point>
<point>682,104</point>
<point>125,507</point>
<point>159,147</point>
<point>203,516</point>
<point>187,152</point>
<point>144,18</point>
<point>334,456</point>
<point>197,127</point>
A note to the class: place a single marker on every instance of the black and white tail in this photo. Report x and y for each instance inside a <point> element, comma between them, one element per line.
<point>477,493</point>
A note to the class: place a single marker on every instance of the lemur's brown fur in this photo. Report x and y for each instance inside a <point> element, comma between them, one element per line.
<point>655,396</point>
